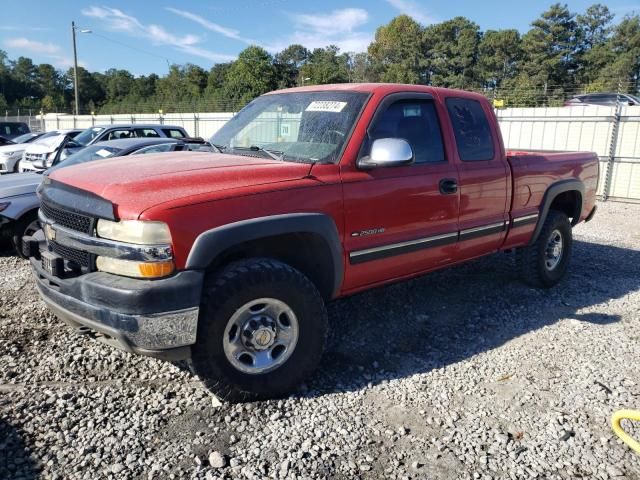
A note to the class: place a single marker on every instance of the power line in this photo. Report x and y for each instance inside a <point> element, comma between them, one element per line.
<point>167,59</point>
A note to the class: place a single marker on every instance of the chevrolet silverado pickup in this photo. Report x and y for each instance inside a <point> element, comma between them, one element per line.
<point>227,259</point>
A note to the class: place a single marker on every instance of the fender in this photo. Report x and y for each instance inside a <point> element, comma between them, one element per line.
<point>213,242</point>
<point>19,205</point>
<point>552,192</point>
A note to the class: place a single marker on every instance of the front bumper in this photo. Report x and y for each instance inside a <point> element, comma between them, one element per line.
<point>157,318</point>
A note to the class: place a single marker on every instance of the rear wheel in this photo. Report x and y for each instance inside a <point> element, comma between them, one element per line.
<point>28,224</point>
<point>261,331</point>
<point>545,262</point>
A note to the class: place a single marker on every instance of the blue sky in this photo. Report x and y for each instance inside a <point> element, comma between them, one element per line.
<point>144,36</point>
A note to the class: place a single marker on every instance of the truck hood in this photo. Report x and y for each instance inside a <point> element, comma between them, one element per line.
<point>138,182</point>
<point>19,184</point>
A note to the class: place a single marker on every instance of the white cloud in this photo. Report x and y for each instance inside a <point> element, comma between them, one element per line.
<point>32,46</point>
<point>116,20</point>
<point>209,25</point>
<point>50,51</point>
<point>333,23</point>
<point>413,9</point>
<point>338,27</point>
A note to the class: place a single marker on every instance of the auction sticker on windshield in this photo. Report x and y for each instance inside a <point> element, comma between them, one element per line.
<point>326,106</point>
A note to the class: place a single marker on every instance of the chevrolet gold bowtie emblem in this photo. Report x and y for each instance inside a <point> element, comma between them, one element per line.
<point>263,338</point>
<point>49,232</point>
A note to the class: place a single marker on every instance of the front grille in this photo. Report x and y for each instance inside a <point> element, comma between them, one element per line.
<point>71,220</point>
<point>79,257</point>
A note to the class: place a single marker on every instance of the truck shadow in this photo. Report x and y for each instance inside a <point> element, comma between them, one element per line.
<point>448,316</point>
<point>16,460</point>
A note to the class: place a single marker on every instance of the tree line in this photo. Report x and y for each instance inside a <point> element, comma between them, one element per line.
<point>562,54</point>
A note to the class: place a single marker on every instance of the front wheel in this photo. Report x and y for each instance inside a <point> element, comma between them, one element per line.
<point>545,262</point>
<point>28,224</point>
<point>262,330</point>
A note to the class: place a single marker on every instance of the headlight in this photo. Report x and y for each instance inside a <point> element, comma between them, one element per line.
<point>135,231</point>
<point>129,268</point>
<point>13,153</point>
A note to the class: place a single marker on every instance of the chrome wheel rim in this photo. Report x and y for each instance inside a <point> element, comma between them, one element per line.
<point>554,250</point>
<point>260,336</point>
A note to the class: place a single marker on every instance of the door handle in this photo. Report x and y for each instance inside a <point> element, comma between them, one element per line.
<point>448,186</point>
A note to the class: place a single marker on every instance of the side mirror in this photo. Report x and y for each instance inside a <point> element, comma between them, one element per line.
<point>387,152</point>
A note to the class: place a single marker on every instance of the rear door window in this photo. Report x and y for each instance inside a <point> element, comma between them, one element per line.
<point>471,128</point>
<point>117,134</point>
<point>146,133</point>
<point>173,133</point>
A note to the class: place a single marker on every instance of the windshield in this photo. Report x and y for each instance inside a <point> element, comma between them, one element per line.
<point>86,136</point>
<point>27,137</point>
<point>303,127</point>
<point>88,154</point>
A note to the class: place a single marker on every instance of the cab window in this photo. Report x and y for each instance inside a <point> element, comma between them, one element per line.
<point>416,121</point>
<point>471,129</point>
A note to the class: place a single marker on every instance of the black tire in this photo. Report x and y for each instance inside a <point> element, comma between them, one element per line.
<point>26,225</point>
<point>532,261</point>
<point>225,293</point>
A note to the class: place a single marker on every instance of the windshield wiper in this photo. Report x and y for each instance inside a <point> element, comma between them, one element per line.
<point>220,148</point>
<point>274,154</point>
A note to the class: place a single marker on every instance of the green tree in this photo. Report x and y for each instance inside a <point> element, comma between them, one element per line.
<point>594,53</point>
<point>326,65</point>
<point>288,63</point>
<point>251,75</point>
<point>397,52</point>
<point>549,51</point>
<point>499,54</point>
<point>452,51</point>
<point>624,67</point>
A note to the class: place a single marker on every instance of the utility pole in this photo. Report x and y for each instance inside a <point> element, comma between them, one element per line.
<point>75,67</point>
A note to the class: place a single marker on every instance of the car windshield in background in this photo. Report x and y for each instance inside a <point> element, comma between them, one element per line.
<point>85,137</point>
<point>88,154</point>
<point>25,138</point>
<point>301,127</point>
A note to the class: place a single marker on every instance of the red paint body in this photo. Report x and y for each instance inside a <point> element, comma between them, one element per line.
<point>195,192</point>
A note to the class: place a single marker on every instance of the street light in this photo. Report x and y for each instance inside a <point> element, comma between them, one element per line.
<point>75,61</point>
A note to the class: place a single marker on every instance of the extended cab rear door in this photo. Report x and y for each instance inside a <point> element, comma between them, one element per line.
<point>400,220</point>
<point>483,175</point>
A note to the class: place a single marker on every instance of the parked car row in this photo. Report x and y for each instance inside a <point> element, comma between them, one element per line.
<point>35,154</point>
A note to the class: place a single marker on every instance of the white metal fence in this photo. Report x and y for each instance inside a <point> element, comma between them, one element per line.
<point>612,132</point>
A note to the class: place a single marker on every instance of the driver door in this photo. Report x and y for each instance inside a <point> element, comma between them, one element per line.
<point>399,220</point>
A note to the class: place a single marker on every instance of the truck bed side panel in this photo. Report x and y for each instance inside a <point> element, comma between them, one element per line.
<point>534,172</point>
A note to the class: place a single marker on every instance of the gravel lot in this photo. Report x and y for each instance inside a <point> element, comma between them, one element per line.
<point>465,373</point>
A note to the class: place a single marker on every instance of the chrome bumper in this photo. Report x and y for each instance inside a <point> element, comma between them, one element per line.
<point>166,335</point>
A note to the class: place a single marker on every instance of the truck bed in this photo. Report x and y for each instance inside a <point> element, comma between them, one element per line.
<point>533,170</point>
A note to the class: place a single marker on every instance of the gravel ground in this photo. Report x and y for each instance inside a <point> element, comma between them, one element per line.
<point>490,379</point>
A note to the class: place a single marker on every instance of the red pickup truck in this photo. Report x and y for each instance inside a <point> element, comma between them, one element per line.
<point>227,258</point>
